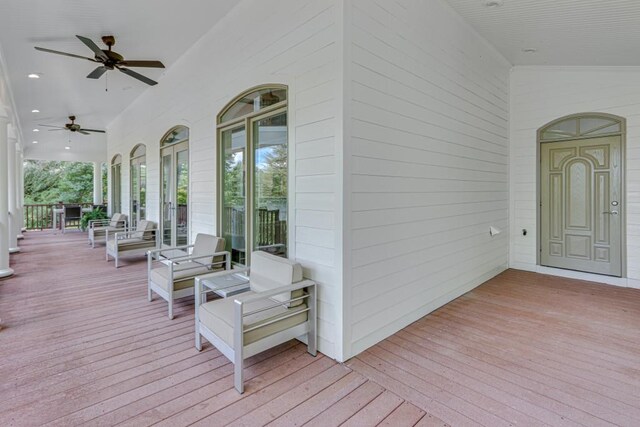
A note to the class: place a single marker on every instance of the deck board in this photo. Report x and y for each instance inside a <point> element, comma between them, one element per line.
<point>80,345</point>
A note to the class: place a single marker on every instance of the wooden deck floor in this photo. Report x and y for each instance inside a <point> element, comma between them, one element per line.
<point>81,345</point>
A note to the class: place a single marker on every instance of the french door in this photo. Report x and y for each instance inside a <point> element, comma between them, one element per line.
<point>174,215</point>
<point>138,189</point>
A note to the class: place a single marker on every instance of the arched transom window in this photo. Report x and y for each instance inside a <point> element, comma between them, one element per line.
<point>581,126</point>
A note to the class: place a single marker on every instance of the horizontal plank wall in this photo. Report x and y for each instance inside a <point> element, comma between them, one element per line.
<point>428,155</point>
<point>542,94</point>
<point>288,41</point>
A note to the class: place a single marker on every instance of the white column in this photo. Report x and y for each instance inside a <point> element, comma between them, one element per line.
<point>12,192</point>
<point>20,195</point>
<point>97,183</point>
<point>4,197</point>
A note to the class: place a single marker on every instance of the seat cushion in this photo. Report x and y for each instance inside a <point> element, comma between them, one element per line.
<point>101,231</point>
<point>183,275</point>
<point>130,244</point>
<point>270,271</point>
<point>217,316</point>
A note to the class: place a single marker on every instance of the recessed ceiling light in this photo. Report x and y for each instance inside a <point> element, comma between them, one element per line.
<point>34,142</point>
<point>34,76</point>
<point>529,50</point>
<point>35,111</point>
<point>493,3</point>
<point>36,130</point>
<point>67,148</point>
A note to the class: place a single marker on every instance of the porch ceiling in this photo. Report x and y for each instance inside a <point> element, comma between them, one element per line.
<point>144,29</point>
<point>563,32</point>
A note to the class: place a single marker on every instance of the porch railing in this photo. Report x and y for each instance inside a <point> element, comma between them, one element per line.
<point>40,217</point>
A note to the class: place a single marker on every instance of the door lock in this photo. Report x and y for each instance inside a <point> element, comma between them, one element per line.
<point>614,203</point>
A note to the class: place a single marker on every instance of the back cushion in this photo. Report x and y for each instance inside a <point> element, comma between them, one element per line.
<point>270,271</point>
<point>118,220</point>
<point>207,244</point>
<point>144,230</point>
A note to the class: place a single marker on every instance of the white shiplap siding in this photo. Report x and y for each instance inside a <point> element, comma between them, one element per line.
<point>542,94</point>
<point>428,164</point>
<point>291,42</point>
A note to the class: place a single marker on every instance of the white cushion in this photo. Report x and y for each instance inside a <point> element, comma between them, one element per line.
<point>270,271</point>
<point>207,244</point>
<point>118,220</point>
<point>218,316</point>
<point>183,275</point>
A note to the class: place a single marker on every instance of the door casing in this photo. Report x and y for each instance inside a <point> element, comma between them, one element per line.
<point>623,189</point>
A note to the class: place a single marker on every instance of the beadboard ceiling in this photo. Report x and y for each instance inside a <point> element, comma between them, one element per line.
<point>144,29</point>
<point>564,32</point>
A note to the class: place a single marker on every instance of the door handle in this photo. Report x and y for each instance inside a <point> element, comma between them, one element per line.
<point>610,213</point>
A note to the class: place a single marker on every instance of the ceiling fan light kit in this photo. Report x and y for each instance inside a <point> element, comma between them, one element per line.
<point>110,60</point>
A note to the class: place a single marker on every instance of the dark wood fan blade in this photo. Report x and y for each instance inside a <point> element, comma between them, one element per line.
<point>94,47</point>
<point>52,126</point>
<point>91,130</point>
<point>97,73</point>
<point>64,53</point>
<point>57,129</point>
<point>146,64</point>
<point>138,76</point>
<point>83,132</point>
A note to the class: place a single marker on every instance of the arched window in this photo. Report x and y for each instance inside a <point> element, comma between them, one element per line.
<point>253,177</point>
<point>116,180</point>
<point>175,135</point>
<point>138,198</point>
<point>581,126</point>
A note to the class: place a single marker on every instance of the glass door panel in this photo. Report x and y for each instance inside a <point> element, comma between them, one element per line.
<point>142,195</point>
<point>167,217</point>
<point>233,194</point>
<point>135,191</point>
<point>175,195</point>
<point>182,198</point>
<point>115,188</point>
<point>270,185</point>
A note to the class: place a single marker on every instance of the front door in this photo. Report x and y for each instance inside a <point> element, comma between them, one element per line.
<point>580,189</point>
<point>174,221</point>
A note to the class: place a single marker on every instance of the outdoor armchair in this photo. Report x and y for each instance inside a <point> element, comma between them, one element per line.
<point>173,276</point>
<point>98,227</point>
<point>132,242</point>
<point>72,216</point>
<point>280,306</point>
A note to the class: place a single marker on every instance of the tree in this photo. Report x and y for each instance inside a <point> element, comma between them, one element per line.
<point>47,182</point>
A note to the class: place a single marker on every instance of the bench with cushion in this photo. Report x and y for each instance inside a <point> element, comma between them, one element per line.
<point>132,242</point>
<point>280,306</point>
<point>98,227</point>
<point>173,277</point>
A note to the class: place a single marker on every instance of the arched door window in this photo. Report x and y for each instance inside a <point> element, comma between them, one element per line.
<point>116,180</point>
<point>138,184</point>
<point>253,173</point>
<point>174,191</point>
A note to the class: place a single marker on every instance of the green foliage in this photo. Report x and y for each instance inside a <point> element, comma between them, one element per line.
<point>88,216</point>
<point>49,182</point>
